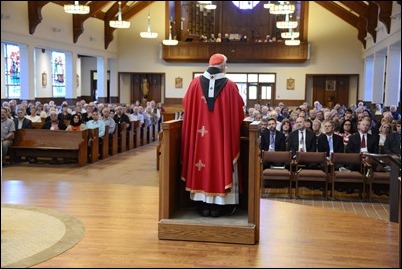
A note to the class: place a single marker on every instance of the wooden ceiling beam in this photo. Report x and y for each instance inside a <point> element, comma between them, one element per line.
<point>79,19</point>
<point>109,15</point>
<point>348,17</point>
<point>367,15</point>
<point>35,14</point>
<point>385,13</point>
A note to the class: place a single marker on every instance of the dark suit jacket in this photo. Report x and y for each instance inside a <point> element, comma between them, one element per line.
<point>392,144</point>
<point>353,145</point>
<point>280,140</point>
<point>26,124</point>
<point>293,141</point>
<point>337,142</point>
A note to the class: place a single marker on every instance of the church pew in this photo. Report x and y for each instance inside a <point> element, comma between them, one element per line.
<point>50,144</point>
<point>93,145</point>
<point>137,134</point>
<point>122,137</point>
<point>37,125</point>
<point>130,136</point>
<point>104,144</point>
<point>113,142</point>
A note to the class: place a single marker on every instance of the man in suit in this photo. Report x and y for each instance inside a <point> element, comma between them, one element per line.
<point>330,142</point>
<point>21,122</point>
<point>362,141</point>
<point>272,140</point>
<point>278,143</point>
<point>392,144</point>
<point>301,139</point>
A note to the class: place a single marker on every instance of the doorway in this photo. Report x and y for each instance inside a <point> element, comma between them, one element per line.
<point>331,89</point>
<point>94,88</point>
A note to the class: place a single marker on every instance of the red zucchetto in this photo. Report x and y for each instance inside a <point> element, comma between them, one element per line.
<point>216,59</point>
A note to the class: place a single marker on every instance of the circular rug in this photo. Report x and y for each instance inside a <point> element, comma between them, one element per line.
<point>30,235</point>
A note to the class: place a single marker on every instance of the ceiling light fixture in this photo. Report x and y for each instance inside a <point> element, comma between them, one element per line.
<point>292,42</point>
<point>207,4</point>
<point>286,24</point>
<point>290,34</point>
<point>76,8</point>
<point>119,23</point>
<point>284,7</point>
<point>268,5</point>
<point>170,41</point>
<point>149,33</point>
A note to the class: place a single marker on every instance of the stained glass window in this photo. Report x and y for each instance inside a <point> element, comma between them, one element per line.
<point>58,74</point>
<point>12,71</point>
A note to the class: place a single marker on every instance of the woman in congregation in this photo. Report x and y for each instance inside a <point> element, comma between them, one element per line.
<point>385,129</point>
<point>76,123</point>
<point>34,117</point>
<point>286,127</point>
<point>346,130</point>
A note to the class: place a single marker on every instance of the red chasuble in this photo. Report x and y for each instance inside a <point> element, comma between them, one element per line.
<point>210,139</point>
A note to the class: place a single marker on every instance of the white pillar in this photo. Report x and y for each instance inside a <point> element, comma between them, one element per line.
<point>378,78</point>
<point>366,94</point>
<point>27,77</point>
<point>71,71</point>
<point>102,77</point>
<point>393,79</point>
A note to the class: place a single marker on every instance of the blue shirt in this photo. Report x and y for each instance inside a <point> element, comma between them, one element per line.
<point>100,124</point>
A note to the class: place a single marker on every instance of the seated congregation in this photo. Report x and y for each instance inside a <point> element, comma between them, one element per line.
<point>83,133</point>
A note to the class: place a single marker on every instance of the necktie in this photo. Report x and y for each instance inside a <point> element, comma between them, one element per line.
<point>331,146</point>
<point>272,141</point>
<point>363,142</point>
<point>301,141</point>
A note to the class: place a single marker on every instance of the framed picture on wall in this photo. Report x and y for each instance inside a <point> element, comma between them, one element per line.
<point>290,84</point>
<point>330,85</point>
<point>178,83</point>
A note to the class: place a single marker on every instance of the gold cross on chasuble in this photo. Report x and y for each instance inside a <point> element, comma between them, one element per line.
<point>203,131</point>
<point>200,165</point>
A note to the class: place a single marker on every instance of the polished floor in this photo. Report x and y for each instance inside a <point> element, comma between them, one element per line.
<point>117,200</point>
<point>351,203</point>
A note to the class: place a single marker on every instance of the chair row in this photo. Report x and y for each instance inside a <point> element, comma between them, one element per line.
<point>313,169</point>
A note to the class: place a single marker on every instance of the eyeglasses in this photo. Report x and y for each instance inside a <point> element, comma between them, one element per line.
<point>346,124</point>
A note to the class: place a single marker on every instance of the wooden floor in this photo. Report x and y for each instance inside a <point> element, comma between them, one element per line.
<point>117,200</point>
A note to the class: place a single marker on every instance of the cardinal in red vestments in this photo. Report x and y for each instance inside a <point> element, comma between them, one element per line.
<point>210,149</point>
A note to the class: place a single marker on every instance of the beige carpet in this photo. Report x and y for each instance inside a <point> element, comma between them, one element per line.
<point>30,235</point>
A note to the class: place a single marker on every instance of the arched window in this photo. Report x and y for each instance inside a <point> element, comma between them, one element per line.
<point>58,74</point>
<point>12,71</point>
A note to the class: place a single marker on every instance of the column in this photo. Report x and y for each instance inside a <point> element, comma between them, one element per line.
<point>27,77</point>
<point>102,79</point>
<point>378,78</point>
<point>71,81</point>
<point>393,79</point>
<point>367,93</point>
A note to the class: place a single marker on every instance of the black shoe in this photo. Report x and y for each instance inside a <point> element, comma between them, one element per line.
<point>218,210</point>
<point>216,213</point>
<point>204,210</point>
